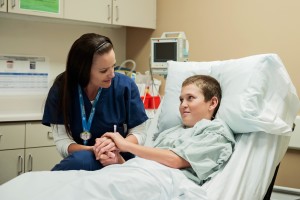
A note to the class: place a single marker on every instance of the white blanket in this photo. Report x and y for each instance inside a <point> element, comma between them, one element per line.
<point>127,181</point>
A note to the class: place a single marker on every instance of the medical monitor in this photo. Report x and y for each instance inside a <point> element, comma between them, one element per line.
<point>168,48</point>
<point>164,51</point>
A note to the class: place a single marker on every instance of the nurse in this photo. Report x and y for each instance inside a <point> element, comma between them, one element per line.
<point>89,99</point>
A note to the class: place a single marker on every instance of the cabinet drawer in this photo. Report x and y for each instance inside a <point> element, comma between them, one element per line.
<point>38,135</point>
<point>12,135</point>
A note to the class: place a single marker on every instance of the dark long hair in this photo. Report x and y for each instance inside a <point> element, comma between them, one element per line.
<point>78,69</point>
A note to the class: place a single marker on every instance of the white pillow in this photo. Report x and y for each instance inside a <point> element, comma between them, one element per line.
<point>257,93</point>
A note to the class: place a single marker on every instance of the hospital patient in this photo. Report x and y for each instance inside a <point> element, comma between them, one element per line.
<point>199,147</point>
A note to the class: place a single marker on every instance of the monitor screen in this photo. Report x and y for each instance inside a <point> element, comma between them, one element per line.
<point>164,51</point>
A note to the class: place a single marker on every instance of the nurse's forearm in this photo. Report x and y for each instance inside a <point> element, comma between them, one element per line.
<point>77,147</point>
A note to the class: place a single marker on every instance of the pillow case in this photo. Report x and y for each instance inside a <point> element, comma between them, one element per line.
<point>257,93</point>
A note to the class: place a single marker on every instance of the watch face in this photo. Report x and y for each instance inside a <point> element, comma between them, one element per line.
<point>85,135</point>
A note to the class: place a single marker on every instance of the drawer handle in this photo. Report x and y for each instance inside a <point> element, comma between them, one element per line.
<point>13,3</point>
<point>50,135</point>
<point>20,165</point>
<point>117,11</point>
<point>30,162</point>
<point>108,13</point>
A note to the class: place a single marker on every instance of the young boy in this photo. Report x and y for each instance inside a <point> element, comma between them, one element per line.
<point>200,146</point>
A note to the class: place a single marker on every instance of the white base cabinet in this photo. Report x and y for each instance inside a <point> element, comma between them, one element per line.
<point>25,146</point>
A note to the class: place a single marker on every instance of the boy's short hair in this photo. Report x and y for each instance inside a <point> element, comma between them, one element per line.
<point>209,86</point>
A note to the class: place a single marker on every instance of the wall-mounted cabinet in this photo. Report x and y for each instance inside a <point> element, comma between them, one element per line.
<point>88,10</point>
<point>25,146</point>
<point>135,13</point>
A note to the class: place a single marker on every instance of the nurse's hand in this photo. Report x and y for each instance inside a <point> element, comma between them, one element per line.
<point>103,145</point>
<point>118,140</point>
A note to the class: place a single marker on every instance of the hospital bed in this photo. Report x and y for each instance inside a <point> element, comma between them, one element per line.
<point>259,104</point>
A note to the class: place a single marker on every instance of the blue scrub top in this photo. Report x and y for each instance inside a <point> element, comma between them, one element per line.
<point>119,104</point>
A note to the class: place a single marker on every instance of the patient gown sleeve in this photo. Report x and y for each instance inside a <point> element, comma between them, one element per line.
<point>207,147</point>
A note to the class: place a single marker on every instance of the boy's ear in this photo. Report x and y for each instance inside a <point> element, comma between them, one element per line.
<point>213,103</point>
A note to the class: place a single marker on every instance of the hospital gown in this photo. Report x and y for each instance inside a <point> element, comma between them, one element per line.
<point>207,147</point>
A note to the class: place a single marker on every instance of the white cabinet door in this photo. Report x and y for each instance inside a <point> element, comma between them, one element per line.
<point>136,13</point>
<point>11,164</point>
<point>41,159</point>
<point>89,10</point>
<point>39,8</point>
<point>3,5</point>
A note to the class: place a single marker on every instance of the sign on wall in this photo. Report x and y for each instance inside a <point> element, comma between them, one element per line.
<point>51,6</point>
<point>23,74</point>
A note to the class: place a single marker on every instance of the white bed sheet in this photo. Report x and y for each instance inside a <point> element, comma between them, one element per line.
<point>116,182</point>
